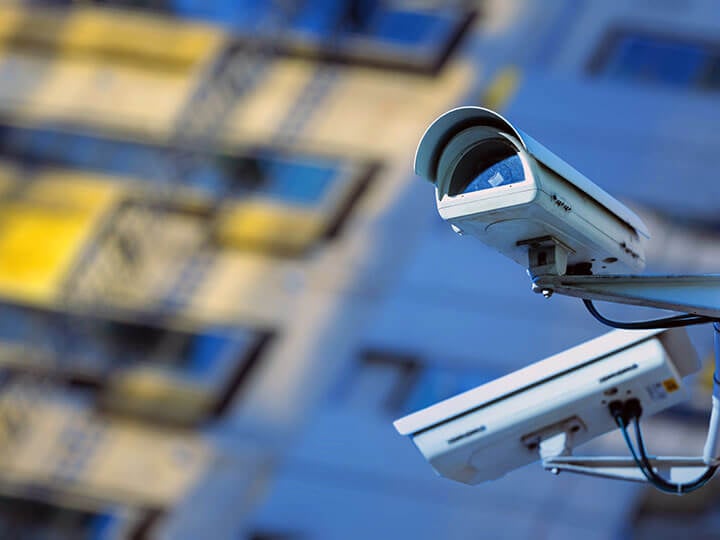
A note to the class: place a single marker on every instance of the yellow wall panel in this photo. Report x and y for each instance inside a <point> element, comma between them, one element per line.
<point>268,227</point>
<point>122,35</point>
<point>85,192</point>
<point>36,247</point>
<point>159,393</point>
<point>10,17</point>
<point>42,234</point>
<point>30,27</point>
<point>117,35</point>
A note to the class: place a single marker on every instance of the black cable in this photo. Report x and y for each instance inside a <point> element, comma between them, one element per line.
<point>676,321</point>
<point>643,462</point>
<point>621,424</point>
<point>662,484</point>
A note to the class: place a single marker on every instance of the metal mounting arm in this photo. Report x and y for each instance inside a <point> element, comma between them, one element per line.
<point>675,469</point>
<point>699,294</point>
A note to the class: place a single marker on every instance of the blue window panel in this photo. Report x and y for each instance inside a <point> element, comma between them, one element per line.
<point>38,329</point>
<point>39,140</point>
<point>102,526</point>
<point>644,59</point>
<point>43,145</point>
<point>200,355</point>
<point>406,28</point>
<point>234,14</point>
<point>324,19</point>
<point>303,183</point>
<point>319,18</point>
<point>122,159</point>
<point>75,150</point>
<point>231,14</point>
<point>319,21</point>
<point>78,150</point>
<point>436,384</point>
<point>81,151</point>
<point>205,352</point>
<point>84,343</point>
<point>13,140</point>
<point>210,352</point>
<point>208,178</point>
<point>15,327</point>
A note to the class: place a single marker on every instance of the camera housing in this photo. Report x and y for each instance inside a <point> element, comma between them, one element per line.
<point>484,433</point>
<point>500,185</point>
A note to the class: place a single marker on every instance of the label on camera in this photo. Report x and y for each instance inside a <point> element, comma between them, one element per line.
<point>656,391</point>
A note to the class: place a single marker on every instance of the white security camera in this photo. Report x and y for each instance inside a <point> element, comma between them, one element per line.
<point>503,187</point>
<point>548,407</point>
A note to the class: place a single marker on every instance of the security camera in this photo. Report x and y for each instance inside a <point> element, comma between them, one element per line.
<point>500,185</point>
<point>551,406</point>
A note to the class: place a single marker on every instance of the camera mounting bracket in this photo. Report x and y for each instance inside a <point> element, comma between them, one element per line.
<point>546,255</point>
<point>696,294</point>
<point>676,469</point>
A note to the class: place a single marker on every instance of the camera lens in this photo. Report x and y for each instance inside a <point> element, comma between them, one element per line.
<point>490,164</point>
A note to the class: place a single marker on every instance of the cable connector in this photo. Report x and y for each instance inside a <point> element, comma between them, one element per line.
<point>617,411</point>
<point>625,410</point>
<point>633,409</point>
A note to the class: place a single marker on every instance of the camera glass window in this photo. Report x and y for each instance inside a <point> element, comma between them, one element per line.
<point>490,164</point>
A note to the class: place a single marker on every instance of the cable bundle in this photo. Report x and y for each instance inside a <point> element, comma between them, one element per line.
<point>631,410</point>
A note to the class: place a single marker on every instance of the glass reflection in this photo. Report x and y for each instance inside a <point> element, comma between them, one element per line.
<point>507,171</point>
<point>490,164</point>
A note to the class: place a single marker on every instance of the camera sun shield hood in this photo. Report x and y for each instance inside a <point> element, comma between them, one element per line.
<point>448,125</point>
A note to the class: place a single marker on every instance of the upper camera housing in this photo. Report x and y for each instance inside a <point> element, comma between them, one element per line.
<point>503,187</point>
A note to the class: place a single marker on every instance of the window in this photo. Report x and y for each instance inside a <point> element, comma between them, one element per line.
<point>301,179</point>
<point>437,383</point>
<point>400,383</point>
<point>369,19</point>
<point>36,519</point>
<point>166,374</point>
<point>273,201</point>
<point>379,34</point>
<point>648,58</point>
<point>383,34</point>
<point>234,14</point>
<point>381,380</point>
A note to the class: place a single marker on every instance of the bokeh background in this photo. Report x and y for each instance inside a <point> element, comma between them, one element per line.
<point>221,281</point>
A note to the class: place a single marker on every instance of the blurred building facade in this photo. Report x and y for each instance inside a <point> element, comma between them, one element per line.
<point>221,282</point>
